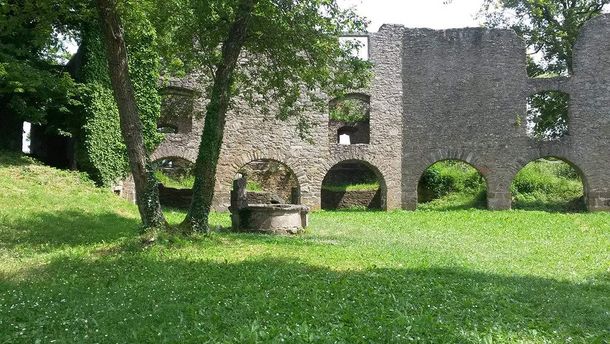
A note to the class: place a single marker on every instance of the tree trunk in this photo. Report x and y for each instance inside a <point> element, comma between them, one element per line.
<point>215,119</point>
<point>147,192</point>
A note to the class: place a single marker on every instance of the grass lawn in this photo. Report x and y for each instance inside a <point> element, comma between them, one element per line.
<point>72,270</point>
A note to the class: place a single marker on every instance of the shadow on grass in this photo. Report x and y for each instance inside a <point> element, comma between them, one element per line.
<point>576,205</point>
<point>8,158</point>
<point>66,228</point>
<point>146,298</point>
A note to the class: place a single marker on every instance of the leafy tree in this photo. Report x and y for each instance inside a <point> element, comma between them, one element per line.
<point>147,193</point>
<point>550,29</point>
<point>350,110</point>
<point>33,85</point>
<point>279,55</point>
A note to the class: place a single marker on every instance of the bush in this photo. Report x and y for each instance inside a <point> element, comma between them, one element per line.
<point>548,185</point>
<point>447,177</point>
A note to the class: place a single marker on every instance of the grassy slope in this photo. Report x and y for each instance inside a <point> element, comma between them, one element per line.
<point>71,270</point>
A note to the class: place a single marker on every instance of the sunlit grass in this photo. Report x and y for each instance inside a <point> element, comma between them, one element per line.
<point>73,270</point>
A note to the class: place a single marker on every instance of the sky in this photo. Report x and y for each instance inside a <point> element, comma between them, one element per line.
<point>433,14</point>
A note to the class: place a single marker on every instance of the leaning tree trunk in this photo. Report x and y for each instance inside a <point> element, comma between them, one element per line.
<point>147,192</point>
<point>215,119</point>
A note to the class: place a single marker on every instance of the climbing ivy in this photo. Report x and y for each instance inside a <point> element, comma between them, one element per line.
<point>102,152</point>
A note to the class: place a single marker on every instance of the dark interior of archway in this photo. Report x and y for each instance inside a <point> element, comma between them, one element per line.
<point>351,185</point>
<point>549,185</point>
<point>175,176</point>
<point>270,182</point>
<point>451,185</point>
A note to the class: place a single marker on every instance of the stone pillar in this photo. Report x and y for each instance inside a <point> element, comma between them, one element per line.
<point>239,197</point>
<point>598,200</point>
<point>239,201</point>
<point>409,201</point>
<point>499,200</point>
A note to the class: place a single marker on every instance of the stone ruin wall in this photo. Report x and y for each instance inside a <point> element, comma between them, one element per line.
<point>435,95</point>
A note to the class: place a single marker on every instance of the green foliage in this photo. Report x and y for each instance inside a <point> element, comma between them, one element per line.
<point>451,185</point>
<point>176,182</point>
<point>550,28</point>
<point>293,50</point>
<point>71,257</point>
<point>447,177</point>
<point>352,187</point>
<point>33,85</point>
<point>548,185</point>
<point>253,186</point>
<point>549,113</point>
<point>350,110</point>
<point>103,152</point>
<point>35,94</point>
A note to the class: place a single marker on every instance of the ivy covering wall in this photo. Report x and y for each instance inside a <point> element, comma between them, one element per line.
<point>101,151</point>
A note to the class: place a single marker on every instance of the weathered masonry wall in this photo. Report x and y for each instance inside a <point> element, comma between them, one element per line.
<point>436,95</point>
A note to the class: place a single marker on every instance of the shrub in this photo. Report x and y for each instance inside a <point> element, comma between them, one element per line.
<point>548,185</point>
<point>447,177</point>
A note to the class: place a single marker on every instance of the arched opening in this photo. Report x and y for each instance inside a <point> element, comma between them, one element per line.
<point>354,185</point>
<point>547,115</point>
<point>349,119</point>
<point>451,185</point>
<point>175,177</point>
<point>270,182</point>
<point>549,184</point>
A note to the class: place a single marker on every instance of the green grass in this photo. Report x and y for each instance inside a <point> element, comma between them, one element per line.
<point>185,182</point>
<point>352,187</point>
<point>548,185</point>
<point>545,185</point>
<point>72,271</point>
<point>253,186</point>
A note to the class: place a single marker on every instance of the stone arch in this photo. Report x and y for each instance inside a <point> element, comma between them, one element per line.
<point>521,163</point>
<point>285,159</point>
<point>356,159</point>
<point>550,151</point>
<point>466,156</point>
<point>126,187</point>
<point>167,128</point>
<point>483,171</point>
<point>167,150</point>
<point>229,169</point>
<point>496,192</point>
<point>292,198</point>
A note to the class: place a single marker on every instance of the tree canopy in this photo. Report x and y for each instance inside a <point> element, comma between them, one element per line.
<point>550,29</point>
<point>291,54</point>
